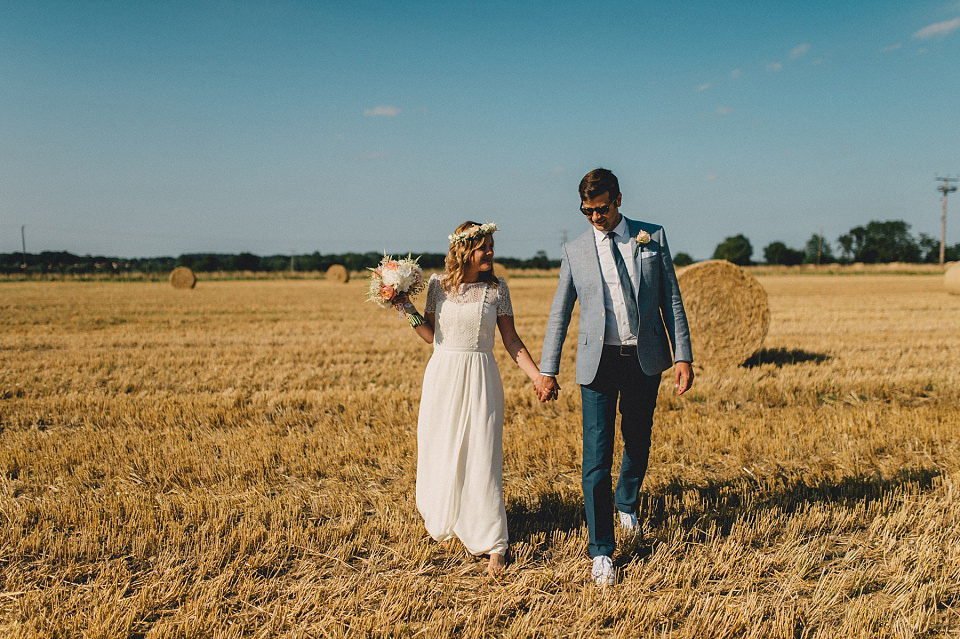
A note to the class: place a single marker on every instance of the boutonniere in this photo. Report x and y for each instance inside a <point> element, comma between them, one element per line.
<point>642,238</point>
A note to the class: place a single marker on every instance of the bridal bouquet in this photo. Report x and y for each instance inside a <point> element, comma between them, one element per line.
<point>394,282</point>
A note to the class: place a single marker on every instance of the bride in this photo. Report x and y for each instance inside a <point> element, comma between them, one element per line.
<point>460,426</point>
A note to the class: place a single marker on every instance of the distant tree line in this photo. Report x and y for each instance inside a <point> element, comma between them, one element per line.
<point>877,242</point>
<point>889,241</point>
<point>61,262</point>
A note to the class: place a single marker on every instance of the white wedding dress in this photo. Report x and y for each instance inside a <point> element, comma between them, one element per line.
<point>460,426</point>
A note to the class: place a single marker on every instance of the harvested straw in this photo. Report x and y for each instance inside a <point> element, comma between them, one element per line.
<point>951,279</point>
<point>500,271</point>
<point>338,273</point>
<point>727,311</point>
<point>182,277</point>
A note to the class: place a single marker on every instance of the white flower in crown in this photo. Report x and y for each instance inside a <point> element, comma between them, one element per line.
<point>642,238</point>
<point>472,232</point>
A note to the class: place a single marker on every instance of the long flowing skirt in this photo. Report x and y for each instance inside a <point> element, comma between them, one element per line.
<point>460,451</point>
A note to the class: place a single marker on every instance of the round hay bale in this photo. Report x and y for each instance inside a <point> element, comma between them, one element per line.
<point>951,279</point>
<point>182,277</point>
<point>727,310</point>
<point>500,271</point>
<point>338,273</point>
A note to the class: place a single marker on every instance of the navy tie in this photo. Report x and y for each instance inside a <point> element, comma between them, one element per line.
<point>633,315</point>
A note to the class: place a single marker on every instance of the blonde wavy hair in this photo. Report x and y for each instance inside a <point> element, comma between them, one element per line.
<point>457,257</point>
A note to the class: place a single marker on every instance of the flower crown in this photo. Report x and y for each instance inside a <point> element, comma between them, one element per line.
<point>472,232</point>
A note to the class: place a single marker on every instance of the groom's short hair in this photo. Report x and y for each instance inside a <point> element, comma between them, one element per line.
<point>597,182</point>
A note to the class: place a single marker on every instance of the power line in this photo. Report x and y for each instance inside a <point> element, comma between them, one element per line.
<point>945,188</point>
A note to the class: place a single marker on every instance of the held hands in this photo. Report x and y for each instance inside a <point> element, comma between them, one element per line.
<point>547,388</point>
<point>682,377</point>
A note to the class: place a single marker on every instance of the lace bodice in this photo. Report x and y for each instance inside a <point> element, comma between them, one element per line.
<point>466,319</point>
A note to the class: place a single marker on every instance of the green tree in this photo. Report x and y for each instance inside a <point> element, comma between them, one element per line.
<point>539,260</point>
<point>814,249</point>
<point>780,253</point>
<point>204,262</point>
<point>736,249</point>
<point>682,259</point>
<point>246,262</point>
<point>929,249</point>
<point>888,241</point>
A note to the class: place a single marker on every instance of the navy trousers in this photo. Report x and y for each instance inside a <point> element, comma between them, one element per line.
<point>619,376</point>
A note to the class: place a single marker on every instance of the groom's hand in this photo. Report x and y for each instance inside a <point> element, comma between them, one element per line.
<point>682,377</point>
<point>547,388</point>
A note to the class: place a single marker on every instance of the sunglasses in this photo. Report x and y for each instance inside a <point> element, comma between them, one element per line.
<point>601,210</point>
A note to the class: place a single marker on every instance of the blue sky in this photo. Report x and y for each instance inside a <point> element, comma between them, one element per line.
<point>160,128</point>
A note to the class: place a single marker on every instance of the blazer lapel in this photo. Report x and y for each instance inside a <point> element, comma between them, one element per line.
<point>633,229</point>
<point>587,250</point>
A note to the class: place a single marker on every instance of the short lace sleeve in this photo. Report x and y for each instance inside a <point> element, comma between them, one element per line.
<point>504,306</point>
<point>433,288</point>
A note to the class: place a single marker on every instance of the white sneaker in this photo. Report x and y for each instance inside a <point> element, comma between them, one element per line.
<point>603,572</point>
<point>628,521</point>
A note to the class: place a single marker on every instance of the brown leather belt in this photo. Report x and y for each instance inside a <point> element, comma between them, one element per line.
<point>623,350</point>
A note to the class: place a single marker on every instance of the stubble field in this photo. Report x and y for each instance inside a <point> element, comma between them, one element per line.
<point>239,460</point>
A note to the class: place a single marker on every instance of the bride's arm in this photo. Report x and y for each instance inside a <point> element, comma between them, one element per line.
<point>425,330</point>
<point>514,345</point>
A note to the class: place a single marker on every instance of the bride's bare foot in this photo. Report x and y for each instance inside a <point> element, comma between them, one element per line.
<point>497,564</point>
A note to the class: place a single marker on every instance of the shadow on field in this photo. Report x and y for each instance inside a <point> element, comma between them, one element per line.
<point>703,511</point>
<point>782,356</point>
<point>552,512</point>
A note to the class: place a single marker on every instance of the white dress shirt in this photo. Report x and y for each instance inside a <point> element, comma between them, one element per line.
<point>617,326</point>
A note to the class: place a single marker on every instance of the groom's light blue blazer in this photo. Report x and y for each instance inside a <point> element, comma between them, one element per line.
<point>664,335</point>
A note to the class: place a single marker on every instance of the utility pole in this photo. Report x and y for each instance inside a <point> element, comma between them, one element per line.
<point>945,188</point>
<point>819,245</point>
<point>23,244</point>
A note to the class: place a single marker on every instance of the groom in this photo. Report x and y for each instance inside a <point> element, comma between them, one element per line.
<point>632,328</point>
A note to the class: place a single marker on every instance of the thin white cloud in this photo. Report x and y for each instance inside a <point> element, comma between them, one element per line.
<point>799,50</point>
<point>891,47</point>
<point>938,29</point>
<point>735,74</point>
<point>558,169</point>
<point>711,177</point>
<point>774,66</point>
<point>382,111</point>
<point>704,86</point>
<point>723,110</point>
